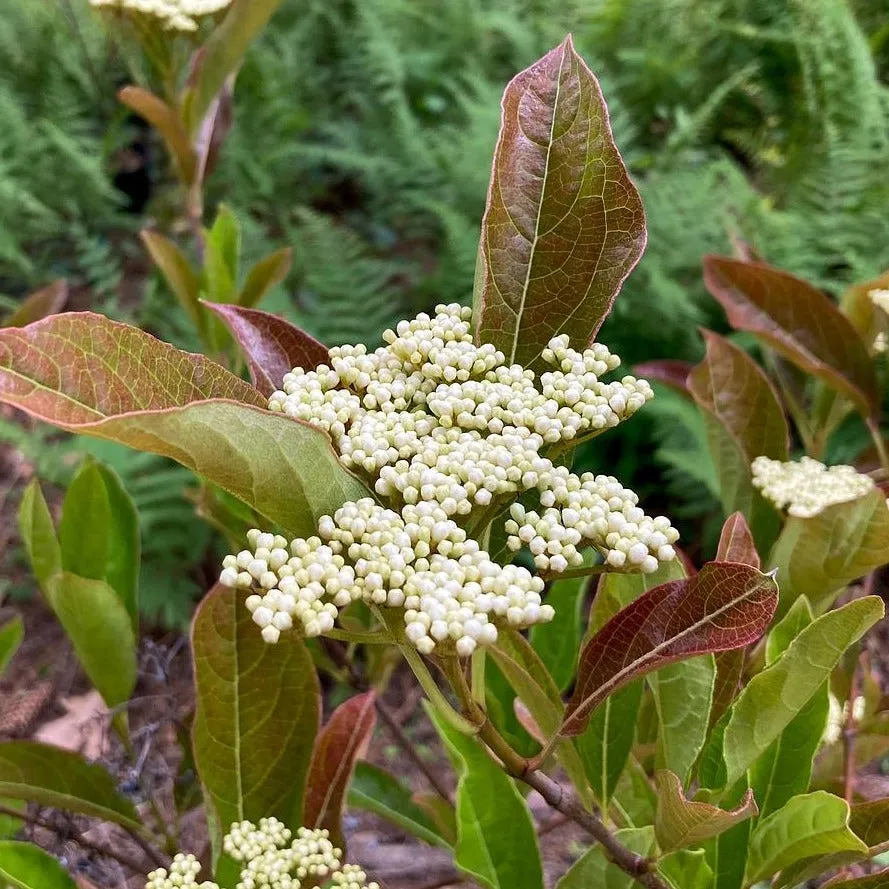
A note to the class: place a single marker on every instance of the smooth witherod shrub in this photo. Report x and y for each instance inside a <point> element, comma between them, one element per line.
<point>419,498</point>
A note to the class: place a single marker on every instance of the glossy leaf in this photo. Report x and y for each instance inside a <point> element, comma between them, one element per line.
<point>736,542</point>
<point>772,698</point>
<point>376,790</point>
<point>341,742</point>
<point>257,716</point>
<point>181,278</point>
<point>593,869</point>
<point>725,606</point>
<point>681,822</point>
<point>40,304</point>
<point>60,779</point>
<point>270,271</point>
<point>496,839</point>
<point>563,225</point>
<point>816,557</point>
<point>39,535</point>
<point>12,632</point>
<point>670,372</point>
<point>799,322</point>
<point>96,377</point>
<point>271,345</point>
<point>26,866</point>
<point>812,824</point>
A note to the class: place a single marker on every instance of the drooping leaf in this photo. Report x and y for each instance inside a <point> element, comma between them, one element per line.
<point>12,632</point>
<point>799,322</point>
<point>270,271</point>
<point>564,225</point>
<point>96,377</point>
<point>681,822</point>
<point>496,840</point>
<point>725,606</point>
<point>816,557</point>
<point>686,870</point>
<point>736,542</point>
<point>376,790</point>
<point>181,278</point>
<point>63,780</point>
<point>257,716</point>
<point>341,742</point>
<point>26,866</point>
<point>670,372</point>
<point>40,304</point>
<point>272,346</point>
<point>808,825</point>
<point>593,869</point>
<point>771,700</point>
<point>39,535</point>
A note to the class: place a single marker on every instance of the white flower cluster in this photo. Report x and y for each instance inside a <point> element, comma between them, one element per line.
<point>880,298</point>
<point>806,487</point>
<point>173,15</point>
<point>271,858</point>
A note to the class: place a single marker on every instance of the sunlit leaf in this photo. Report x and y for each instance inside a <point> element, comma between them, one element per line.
<point>39,535</point>
<point>799,322</point>
<point>725,606</point>
<point>736,542</point>
<point>40,304</point>
<point>270,271</point>
<point>563,226</point>
<point>258,708</point>
<point>12,632</point>
<point>26,866</point>
<point>593,869</point>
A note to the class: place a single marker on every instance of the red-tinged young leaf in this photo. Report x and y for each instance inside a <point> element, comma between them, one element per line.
<point>270,271</point>
<point>670,372</point>
<point>729,668</point>
<point>96,377</point>
<point>341,743</point>
<point>40,304</point>
<point>681,822</point>
<point>799,322</point>
<point>564,225</point>
<point>258,708</point>
<point>736,542</point>
<point>272,346</point>
<point>724,606</point>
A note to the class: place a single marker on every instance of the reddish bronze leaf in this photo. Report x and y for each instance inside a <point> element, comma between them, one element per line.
<point>272,346</point>
<point>339,746</point>
<point>736,542</point>
<point>670,372</point>
<point>799,322</point>
<point>724,606</point>
<point>563,226</point>
<point>40,304</point>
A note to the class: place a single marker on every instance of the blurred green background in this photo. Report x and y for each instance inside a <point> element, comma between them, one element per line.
<point>363,138</point>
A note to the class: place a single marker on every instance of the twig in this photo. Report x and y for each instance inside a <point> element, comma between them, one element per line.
<point>136,867</point>
<point>554,823</point>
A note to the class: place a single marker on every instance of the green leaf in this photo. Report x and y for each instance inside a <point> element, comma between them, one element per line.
<point>341,742</point>
<point>11,635</point>
<point>101,631</point>
<point>797,321</point>
<point>724,606</point>
<point>686,870</point>
<point>226,238</point>
<point>635,796</point>
<point>85,524</point>
<point>879,880</point>
<point>270,271</point>
<point>376,790</point>
<point>681,822</point>
<point>271,345</point>
<point>563,225</point>
<point>96,377</point>
<point>594,871</point>
<point>39,535</point>
<point>808,825</point>
<point>60,779</point>
<point>9,824</point>
<point>727,853</point>
<point>26,866</point>
<point>817,557</point>
<point>775,696</point>
<point>40,304</point>
<point>181,278</point>
<point>496,839</point>
<point>258,707</point>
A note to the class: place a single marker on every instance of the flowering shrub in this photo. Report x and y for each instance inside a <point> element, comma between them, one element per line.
<point>420,497</point>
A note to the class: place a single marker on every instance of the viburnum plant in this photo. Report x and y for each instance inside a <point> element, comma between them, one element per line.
<point>419,496</point>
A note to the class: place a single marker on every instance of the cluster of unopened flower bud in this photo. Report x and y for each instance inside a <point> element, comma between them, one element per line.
<point>806,487</point>
<point>271,858</point>
<point>172,15</point>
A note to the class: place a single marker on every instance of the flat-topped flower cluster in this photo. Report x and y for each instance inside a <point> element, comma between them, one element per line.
<point>172,15</point>
<point>450,436</point>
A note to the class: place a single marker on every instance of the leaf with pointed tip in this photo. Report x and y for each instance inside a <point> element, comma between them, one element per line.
<point>681,822</point>
<point>258,708</point>
<point>670,372</point>
<point>96,377</point>
<point>181,278</point>
<point>11,634</point>
<point>593,869</point>
<point>799,322</point>
<point>341,742</point>
<point>271,345</point>
<point>26,866</point>
<point>39,535</point>
<point>40,304</point>
<point>736,542</point>
<point>725,606</point>
<point>563,225</point>
<point>270,271</point>
<point>729,668</point>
